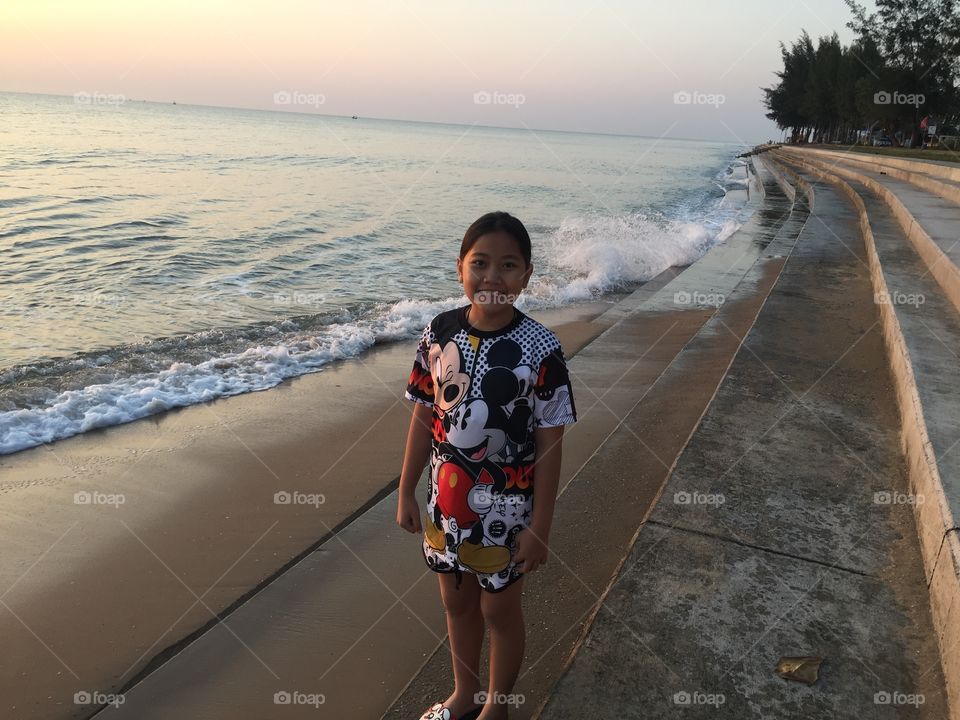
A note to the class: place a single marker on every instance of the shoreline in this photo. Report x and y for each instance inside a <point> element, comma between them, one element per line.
<point>90,376</point>
<point>57,394</point>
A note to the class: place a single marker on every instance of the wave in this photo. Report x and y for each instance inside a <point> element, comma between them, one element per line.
<point>583,258</point>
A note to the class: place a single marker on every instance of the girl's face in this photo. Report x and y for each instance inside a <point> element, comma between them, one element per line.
<point>493,271</point>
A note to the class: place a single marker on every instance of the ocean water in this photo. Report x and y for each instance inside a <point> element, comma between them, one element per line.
<point>156,256</point>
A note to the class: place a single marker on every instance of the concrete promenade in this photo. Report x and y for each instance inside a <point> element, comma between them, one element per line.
<point>805,542</point>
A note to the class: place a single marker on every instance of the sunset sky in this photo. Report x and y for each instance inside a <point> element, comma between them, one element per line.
<point>597,66</point>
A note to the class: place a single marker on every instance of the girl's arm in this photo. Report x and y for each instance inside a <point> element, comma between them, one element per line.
<point>532,542</point>
<point>414,458</point>
<point>546,478</point>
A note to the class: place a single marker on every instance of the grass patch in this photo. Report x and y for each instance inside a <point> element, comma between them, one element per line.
<point>928,154</point>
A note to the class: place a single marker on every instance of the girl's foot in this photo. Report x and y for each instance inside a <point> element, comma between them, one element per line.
<point>460,704</point>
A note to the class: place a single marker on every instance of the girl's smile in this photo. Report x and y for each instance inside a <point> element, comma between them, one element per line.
<point>493,273</point>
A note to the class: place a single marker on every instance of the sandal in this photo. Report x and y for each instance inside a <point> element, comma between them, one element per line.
<point>438,712</point>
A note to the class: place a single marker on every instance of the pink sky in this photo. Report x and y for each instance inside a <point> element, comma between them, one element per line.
<point>598,65</point>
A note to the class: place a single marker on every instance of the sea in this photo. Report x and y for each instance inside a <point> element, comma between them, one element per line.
<point>158,255</point>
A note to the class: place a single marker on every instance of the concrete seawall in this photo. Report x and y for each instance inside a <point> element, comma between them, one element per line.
<point>801,559</point>
<point>936,519</point>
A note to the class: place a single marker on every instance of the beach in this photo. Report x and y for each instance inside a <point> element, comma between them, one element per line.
<point>237,242</point>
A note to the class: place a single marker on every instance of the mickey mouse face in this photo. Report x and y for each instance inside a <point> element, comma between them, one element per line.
<point>466,428</point>
<point>450,381</point>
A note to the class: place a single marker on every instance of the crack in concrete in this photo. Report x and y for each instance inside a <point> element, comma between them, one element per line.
<point>705,533</point>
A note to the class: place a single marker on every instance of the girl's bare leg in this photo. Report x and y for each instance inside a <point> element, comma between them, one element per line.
<point>504,615</point>
<point>465,628</point>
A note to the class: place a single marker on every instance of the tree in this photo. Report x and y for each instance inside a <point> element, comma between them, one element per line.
<point>920,45</point>
<point>821,102</point>
<point>785,100</point>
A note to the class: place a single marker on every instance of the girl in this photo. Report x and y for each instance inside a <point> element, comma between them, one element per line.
<point>492,395</point>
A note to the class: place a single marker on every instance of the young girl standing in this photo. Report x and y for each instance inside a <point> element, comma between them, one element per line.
<point>492,397</point>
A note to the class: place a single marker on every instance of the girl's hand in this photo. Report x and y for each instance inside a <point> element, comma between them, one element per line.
<point>531,550</point>
<point>408,513</point>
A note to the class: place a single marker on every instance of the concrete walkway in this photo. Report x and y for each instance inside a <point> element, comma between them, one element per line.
<point>774,536</point>
<point>919,343</point>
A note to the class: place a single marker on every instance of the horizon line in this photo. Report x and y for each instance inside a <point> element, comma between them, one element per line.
<point>390,119</point>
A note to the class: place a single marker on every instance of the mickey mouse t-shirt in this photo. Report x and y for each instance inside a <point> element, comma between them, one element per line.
<point>489,390</point>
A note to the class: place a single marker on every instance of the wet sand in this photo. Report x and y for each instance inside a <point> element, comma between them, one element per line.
<point>182,524</point>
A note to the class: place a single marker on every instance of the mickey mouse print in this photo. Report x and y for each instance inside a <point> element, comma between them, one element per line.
<point>488,390</point>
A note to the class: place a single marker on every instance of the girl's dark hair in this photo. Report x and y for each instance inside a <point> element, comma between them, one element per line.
<point>492,222</point>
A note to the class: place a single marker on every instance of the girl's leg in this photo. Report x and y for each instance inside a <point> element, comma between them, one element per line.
<point>465,628</point>
<point>504,615</point>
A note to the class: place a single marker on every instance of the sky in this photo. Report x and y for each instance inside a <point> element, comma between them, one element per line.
<point>690,69</point>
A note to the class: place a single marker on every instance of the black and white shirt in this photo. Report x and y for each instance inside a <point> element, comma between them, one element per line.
<point>489,391</point>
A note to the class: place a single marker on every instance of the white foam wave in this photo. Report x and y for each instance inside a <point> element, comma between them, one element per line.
<point>593,255</point>
<point>587,256</point>
<point>257,368</point>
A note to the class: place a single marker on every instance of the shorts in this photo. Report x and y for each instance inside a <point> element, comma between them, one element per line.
<point>478,535</point>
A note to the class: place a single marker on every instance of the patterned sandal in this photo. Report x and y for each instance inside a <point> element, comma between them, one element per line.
<point>438,712</point>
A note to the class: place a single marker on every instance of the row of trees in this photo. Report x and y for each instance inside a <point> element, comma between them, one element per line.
<point>902,68</point>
